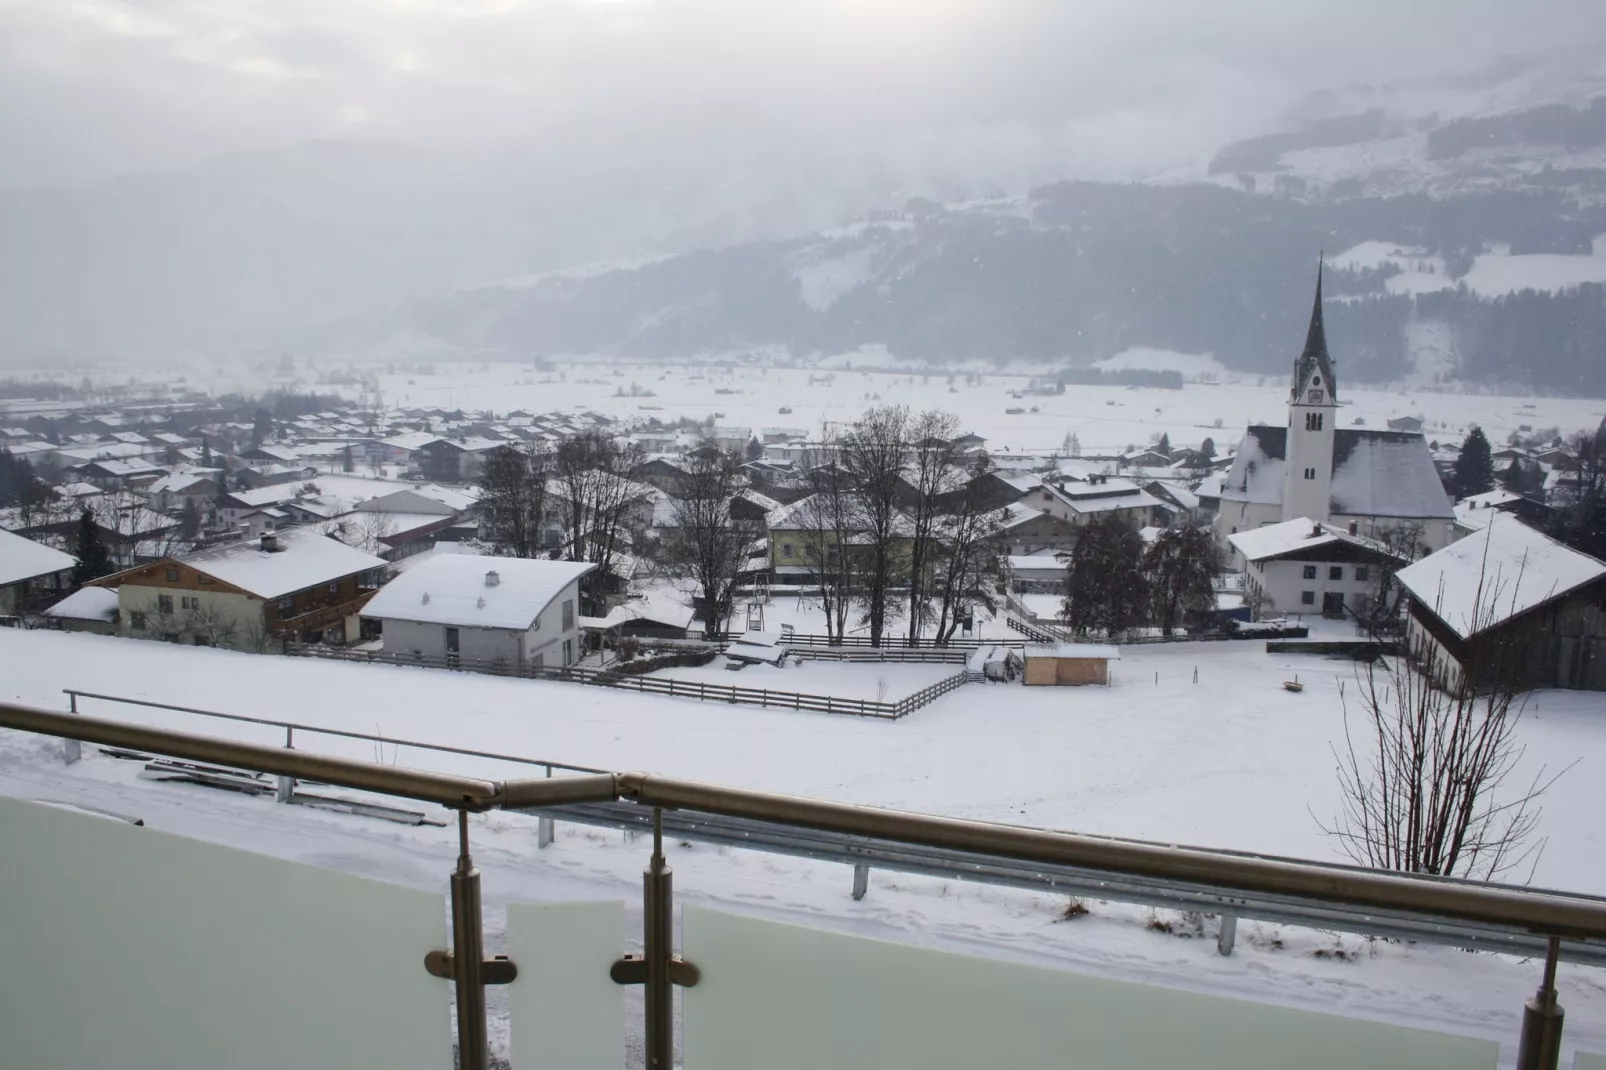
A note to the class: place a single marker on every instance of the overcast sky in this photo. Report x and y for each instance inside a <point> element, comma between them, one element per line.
<point>1098,88</point>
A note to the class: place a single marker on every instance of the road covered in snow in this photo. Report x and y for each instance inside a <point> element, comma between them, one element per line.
<point>1231,761</point>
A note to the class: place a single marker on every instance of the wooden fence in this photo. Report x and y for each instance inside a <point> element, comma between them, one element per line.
<point>888,642</point>
<point>694,689</point>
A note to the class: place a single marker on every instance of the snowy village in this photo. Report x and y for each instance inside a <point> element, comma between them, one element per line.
<point>719,535</point>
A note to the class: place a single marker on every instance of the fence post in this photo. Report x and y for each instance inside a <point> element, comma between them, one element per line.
<point>1227,935</point>
<point>71,749</point>
<point>545,830</point>
<point>286,785</point>
<point>861,880</point>
<point>468,955</point>
<point>1540,1046</point>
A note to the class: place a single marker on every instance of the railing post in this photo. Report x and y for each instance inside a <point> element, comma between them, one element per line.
<point>544,826</point>
<point>287,785</point>
<point>1227,935</point>
<point>468,955</point>
<point>861,880</point>
<point>658,918</point>
<point>1540,1047</point>
<point>71,749</point>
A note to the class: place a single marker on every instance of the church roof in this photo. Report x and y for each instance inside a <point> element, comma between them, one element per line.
<point>1314,358</point>
<point>1375,473</point>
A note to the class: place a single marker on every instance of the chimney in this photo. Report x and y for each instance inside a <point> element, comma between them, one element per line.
<point>1354,527</point>
<point>492,579</point>
<point>270,542</point>
<point>1316,530</point>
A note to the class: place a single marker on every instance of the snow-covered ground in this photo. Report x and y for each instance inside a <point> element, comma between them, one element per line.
<point>1104,418</point>
<point>1232,761</point>
<point>879,682</point>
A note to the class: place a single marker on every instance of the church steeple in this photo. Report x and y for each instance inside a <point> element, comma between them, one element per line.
<point>1314,368</point>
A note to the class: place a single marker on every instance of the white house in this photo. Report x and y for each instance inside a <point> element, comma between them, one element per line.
<point>1313,469</point>
<point>520,612</point>
<point>1302,567</point>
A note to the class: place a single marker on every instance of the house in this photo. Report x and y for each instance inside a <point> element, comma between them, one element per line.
<point>1405,423</point>
<point>1472,512</point>
<point>172,493</point>
<point>1023,531</point>
<point>1180,503</point>
<point>1314,469</point>
<point>1035,573</point>
<point>1300,566</point>
<point>88,609</point>
<point>665,473</point>
<point>32,575</point>
<point>1508,604</point>
<point>295,586</point>
<point>455,460</point>
<point>519,612</point>
<point>265,456</point>
<point>1078,501</point>
<point>1068,664</point>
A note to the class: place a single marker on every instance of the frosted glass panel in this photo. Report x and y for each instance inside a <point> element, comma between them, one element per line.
<point>787,998</point>
<point>1585,1061</point>
<point>127,948</point>
<point>565,1011</point>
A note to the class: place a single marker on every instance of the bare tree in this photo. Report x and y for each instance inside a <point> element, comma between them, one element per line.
<point>1426,778</point>
<point>513,504</point>
<point>875,451</point>
<point>211,625</point>
<point>363,530</point>
<point>1381,613</point>
<point>708,545</point>
<point>828,524</point>
<point>969,563</point>
<point>935,472</point>
<point>596,486</point>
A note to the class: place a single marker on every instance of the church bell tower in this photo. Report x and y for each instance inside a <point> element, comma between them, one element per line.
<point>1312,414</point>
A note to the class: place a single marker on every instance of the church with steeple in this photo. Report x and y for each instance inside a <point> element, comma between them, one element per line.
<point>1313,469</point>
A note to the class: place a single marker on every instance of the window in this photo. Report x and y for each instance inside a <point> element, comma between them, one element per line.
<point>1310,473</point>
<point>164,603</point>
<point>334,588</point>
<point>1313,421</point>
<point>1362,573</point>
<point>287,602</point>
<point>1336,572</point>
<point>186,602</point>
<point>136,621</point>
<point>205,579</point>
<point>786,549</point>
<point>1307,598</point>
<point>568,618</point>
<point>172,575</point>
<point>1310,572</point>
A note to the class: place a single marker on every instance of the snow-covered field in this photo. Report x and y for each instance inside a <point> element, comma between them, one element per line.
<point>1104,418</point>
<point>1232,761</point>
<point>878,682</point>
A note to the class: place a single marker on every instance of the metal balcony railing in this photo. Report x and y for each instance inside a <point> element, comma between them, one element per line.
<point>1351,897</point>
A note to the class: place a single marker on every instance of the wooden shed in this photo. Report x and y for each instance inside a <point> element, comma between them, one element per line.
<point>1069,664</point>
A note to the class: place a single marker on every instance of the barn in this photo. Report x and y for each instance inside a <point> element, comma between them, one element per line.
<point>1069,664</point>
<point>1509,605</point>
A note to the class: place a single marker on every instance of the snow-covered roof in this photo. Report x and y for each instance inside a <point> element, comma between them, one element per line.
<point>23,559</point>
<point>410,440</point>
<point>1375,473</point>
<point>452,590</point>
<point>1073,650</point>
<point>87,603</point>
<point>457,498</point>
<point>1276,540</point>
<point>305,558</point>
<point>1496,574</point>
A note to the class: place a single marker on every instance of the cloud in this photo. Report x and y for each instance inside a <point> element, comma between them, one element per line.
<point>93,87</point>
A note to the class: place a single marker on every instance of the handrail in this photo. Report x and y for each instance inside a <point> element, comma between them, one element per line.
<point>1544,912</point>
<point>366,737</point>
<point>460,793</point>
<point>1539,911</point>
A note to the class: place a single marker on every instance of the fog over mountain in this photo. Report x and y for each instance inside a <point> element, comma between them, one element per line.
<point>183,177</point>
